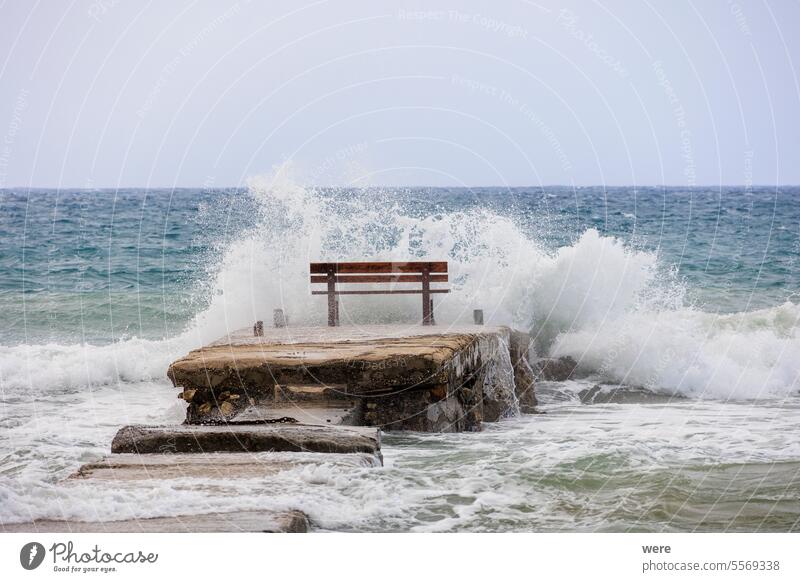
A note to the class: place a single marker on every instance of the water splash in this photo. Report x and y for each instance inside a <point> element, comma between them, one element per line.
<point>619,310</point>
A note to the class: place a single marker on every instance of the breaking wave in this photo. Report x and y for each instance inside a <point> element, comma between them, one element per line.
<point>618,310</point>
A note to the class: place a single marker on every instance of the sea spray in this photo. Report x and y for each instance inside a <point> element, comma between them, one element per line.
<point>620,310</point>
<point>750,355</point>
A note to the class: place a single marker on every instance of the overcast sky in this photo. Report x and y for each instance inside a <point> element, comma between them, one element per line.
<point>111,93</point>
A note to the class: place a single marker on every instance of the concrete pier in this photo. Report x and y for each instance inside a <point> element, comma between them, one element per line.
<point>266,402</point>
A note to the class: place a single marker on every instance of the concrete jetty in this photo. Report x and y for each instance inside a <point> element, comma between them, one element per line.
<point>261,404</point>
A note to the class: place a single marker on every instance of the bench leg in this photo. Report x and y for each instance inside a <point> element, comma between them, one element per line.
<point>332,310</point>
<point>426,297</point>
<point>333,307</point>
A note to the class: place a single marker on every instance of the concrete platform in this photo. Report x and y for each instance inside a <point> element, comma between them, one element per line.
<point>368,359</point>
<point>242,521</point>
<point>227,466</point>
<point>184,438</point>
<point>399,377</point>
<point>286,336</point>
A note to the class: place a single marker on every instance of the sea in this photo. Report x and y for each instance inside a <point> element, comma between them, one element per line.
<point>682,305</point>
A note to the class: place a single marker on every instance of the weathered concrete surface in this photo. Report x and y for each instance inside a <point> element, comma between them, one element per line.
<point>425,411</point>
<point>242,521</point>
<point>364,360</point>
<point>245,438</point>
<point>397,377</point>
<point>227,466</point>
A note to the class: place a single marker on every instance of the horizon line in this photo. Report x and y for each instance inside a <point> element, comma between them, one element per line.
<point>423,186</point>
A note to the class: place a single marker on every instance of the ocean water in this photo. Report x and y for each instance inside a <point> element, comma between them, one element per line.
<point>685,298</point>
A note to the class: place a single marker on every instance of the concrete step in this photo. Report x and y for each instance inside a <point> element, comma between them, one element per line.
<point>242,521</point>
<point>226,466</point>
<point>185,438</point>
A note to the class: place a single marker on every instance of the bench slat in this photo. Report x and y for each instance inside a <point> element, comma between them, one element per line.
<point>387,292</point>
<point>375,267</point>
<point>378,278</point>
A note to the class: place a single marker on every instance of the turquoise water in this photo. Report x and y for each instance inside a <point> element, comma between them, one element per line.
<point>97,266</point>
<point>688,295</point>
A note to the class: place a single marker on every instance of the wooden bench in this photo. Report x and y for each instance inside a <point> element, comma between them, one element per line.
<point>423,272</point>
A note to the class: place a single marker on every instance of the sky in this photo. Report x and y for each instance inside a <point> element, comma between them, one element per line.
<point>115,93</point>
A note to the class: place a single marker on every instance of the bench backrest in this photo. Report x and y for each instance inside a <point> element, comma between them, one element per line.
<point>423,272</point>
<point>372,272</point>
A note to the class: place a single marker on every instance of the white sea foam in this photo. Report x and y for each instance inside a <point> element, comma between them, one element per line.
<point>577,467</point>
<point>750,355</point>
<point>56,368</point>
